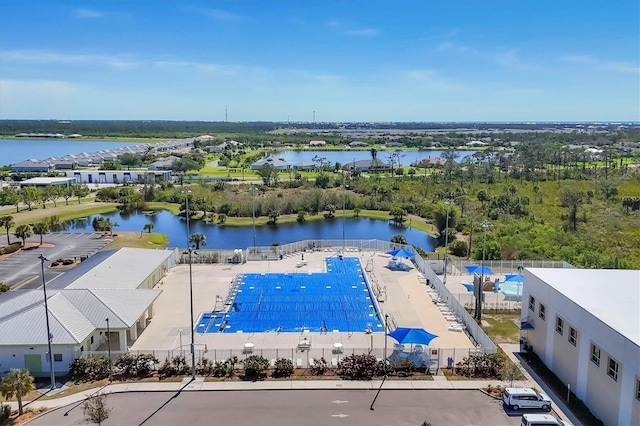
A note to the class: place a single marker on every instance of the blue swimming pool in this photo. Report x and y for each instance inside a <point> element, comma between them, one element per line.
<point>511,288</point>
<point>336,300</point>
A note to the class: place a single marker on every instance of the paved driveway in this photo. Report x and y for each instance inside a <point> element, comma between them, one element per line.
<point>24,266</point>
<point>286,407</point>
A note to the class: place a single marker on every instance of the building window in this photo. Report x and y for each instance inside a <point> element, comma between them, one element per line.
<point>595,354</point>
<point>543,312</point>
<point>92,340</point>
<point>612,371</point>
<point>638,389</point>
<point>573,336</point>
<point>532,303</point>
<point>57,357</point>
<point>559,326</point>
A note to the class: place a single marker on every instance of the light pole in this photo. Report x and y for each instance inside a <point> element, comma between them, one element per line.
<point>193,346</point>
<point>485,225</point>
<point>253,213</point>
<point>46,310</point>
<point>446,241</point>
<point>109,350</point>
<point>344,206</point>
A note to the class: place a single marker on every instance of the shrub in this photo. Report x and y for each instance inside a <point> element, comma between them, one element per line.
<point>139,366</point>
<point>221,369</point>
<point>358,367</point>
<point>459,248</point>
<point>283,368</point>
<point>167,370</point>
<point>204,367</point>
<point>487,366</point>
<point>180,364</point>
<point>5,413</point>
<point>89,369</point>
<point>319,367</point>
<point>255,367</point>
<point>67,262</point>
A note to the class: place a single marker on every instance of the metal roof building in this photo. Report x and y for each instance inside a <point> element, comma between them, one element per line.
<point>114,285</point>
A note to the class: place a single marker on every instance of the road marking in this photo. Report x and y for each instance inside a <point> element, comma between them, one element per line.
<point>340,415</point>
<point>337,401</point>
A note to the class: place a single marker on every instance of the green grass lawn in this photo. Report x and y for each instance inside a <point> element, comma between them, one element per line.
<point>502,328</point>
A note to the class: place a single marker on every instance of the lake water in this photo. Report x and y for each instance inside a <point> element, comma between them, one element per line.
<point>233,237</point>
<point>344,157</point>
<point>15,150</point>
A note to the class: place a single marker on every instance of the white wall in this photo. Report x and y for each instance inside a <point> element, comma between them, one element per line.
<point>13,357</point>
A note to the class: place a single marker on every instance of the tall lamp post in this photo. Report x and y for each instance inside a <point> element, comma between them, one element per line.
<point>193,346</point>
<point>446,241</point>
<point>485,225</point>
<point>49,336</point>
<point>109,350</point>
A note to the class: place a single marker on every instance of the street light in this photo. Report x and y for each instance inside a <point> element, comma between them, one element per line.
<point>193,351</point>
<point>49,336</point>
<point>446,241</point>
<point>485,225</point>
<point>109,350</point>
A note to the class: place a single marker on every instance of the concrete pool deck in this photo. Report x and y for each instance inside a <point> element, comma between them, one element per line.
<point>407,302</point>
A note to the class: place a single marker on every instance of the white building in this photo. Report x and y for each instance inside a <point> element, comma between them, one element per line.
<point>116,176</point>
<point>117,285</point>
<point>584,324</point>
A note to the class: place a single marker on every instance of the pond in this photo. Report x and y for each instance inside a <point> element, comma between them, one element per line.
<point>233,237</point>
<point>344,157</point>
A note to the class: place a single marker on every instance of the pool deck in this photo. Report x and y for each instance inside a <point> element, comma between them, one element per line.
<point>407,301</point>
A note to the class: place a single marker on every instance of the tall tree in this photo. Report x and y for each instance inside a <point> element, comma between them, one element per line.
<point>572,199</point>
<point>23,232</point>
<point>80,191</point>
<point>7,222</point>
<point>17,384</point>
<point>148,227</point>
<point>198,240</point>
<point>30,194</point>
<point>40,228</point>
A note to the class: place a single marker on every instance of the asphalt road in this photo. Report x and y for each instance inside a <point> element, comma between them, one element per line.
<point>24,266</point>
<point>286,407</point>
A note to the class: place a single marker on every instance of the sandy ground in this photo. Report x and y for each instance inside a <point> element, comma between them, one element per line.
<point>407,302</point>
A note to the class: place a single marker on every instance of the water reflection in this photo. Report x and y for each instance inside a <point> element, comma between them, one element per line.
<point>231,237</point>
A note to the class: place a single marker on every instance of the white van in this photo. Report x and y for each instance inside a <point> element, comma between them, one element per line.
<point>518,398</point>
<point>541,420</point>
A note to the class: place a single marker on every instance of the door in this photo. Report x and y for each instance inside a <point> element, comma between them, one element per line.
<point>33,363</point>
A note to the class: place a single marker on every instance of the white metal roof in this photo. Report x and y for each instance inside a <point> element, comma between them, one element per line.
<point>127,268</point>
<point>127,304</point>
<point>46,180</point>
<point>611,295</point>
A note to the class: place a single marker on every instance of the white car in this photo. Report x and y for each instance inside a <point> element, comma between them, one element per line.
<point>542,420</point>
<point>518,398</point>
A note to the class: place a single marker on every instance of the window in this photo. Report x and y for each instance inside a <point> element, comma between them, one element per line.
<point>638,389</point>
<point>57,357</point>
<point>92,340</point>
<point>532,303</point>
<point>559,326</point>
<point>573,336</point>
<point>612,371</point>
<point>543,312</point>
<point>595,354</point>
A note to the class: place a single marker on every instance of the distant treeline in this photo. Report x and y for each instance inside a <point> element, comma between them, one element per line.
<point>181,129</point>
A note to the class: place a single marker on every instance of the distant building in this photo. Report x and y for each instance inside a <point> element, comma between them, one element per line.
<point>477,143</point>
<point>394,144</point>
<point>48,181</point>
<point>163,163</point>
<point>278,163</point>
<point>365,165</point>
<point>355,144</point>
<point>584,324</point>
<point>432,163</point>
<point>117,176</point>
<point>32,165</point>
<point>317,143</point>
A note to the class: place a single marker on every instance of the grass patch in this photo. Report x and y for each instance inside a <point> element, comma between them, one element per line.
<point>72,211</point>
<point>576,406</point>
<point>138,240</point>
<point>502,328</point>
<point>174,208</point>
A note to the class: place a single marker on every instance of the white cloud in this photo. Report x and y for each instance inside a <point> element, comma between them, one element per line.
<point>87,13</point>
<point>49,57</point>
<point>364,32</point>
<point>217,14</point>
<point>591,61</point>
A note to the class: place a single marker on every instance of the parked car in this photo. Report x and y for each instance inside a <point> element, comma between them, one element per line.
<point>542,420</point>
<point>518,398</point>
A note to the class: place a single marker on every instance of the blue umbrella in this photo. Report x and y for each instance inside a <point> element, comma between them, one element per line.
<point>401,253</point>
<point>412,335</point>
<point>514,279</point>
<point>475,269</point>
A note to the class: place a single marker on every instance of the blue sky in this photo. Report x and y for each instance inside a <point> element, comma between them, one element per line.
<point>351,60</point>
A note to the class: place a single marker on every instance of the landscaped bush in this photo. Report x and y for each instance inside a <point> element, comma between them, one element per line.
<point>167,370</point>
<point>459,248</point>
<point>67,262</point>
<point>319,367</point>
<point>282,368</point>
<point>358,367</point>
<point>204,367</point>
<point>255,367</point>
<point>489,366</point>
<point>139,366</point>
<point>89,369</point>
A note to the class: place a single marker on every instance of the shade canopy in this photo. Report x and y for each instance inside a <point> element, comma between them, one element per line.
<point>401,253</point>
<point>476,269</point>
<point>412,335</point>
<point>514,279</point>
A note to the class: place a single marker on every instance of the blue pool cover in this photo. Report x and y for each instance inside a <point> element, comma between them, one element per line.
<point>338,300</point>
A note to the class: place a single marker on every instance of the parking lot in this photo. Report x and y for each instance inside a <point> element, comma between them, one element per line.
<point>24,267</point>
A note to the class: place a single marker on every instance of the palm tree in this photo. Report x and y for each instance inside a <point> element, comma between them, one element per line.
<point>18,383</point>
<point>7,222</point>
<point>40,228</point>
<point>148,227</point>
<point>198,240</point>
<point>23,232</point>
